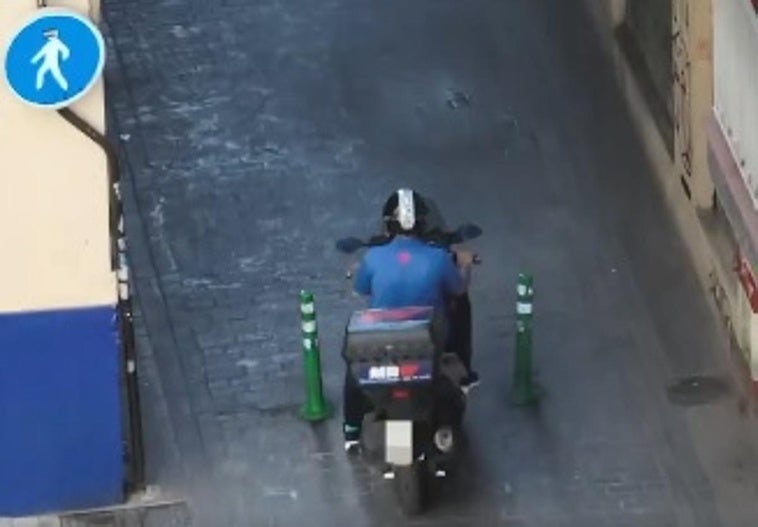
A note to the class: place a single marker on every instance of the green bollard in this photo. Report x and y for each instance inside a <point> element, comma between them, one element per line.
<point>525,392</point>
<point>316,407</point>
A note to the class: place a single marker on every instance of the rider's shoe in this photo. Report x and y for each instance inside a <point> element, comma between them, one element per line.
<point>470,380</point>
<point>352,447</point>
<point>352,436</point>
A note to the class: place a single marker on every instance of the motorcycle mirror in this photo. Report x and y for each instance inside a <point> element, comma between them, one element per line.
<point>349,245</point>
<point>468,231</point>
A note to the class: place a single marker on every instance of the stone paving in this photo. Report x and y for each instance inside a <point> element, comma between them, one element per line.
<point>253,134</point>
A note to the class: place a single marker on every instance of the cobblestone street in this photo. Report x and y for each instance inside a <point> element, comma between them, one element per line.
<point>254,134</point>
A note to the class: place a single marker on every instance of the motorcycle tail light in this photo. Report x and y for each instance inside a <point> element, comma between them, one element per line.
<point>401,393</point>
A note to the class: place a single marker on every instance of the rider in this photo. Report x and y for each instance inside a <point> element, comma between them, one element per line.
<point>407,271</point>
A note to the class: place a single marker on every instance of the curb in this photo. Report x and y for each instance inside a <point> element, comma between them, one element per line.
<point>151,498</point>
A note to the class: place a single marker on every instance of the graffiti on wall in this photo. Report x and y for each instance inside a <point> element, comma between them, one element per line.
<point>681,87</point>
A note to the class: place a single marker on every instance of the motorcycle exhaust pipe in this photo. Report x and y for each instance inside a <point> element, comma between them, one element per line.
<point>443,439</point>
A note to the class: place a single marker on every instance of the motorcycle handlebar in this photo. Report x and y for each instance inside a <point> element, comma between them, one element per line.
<point>443,238</point>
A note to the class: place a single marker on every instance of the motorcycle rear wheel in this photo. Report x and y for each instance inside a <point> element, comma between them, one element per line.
<point>410,487</point>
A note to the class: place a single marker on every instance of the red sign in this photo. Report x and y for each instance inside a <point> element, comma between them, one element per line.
<point>409,370</point>
<point>747,279</point>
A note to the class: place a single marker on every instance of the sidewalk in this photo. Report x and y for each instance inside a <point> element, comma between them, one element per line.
<point>149,509</point>
<point>241,173</point>
<point>32,521</point>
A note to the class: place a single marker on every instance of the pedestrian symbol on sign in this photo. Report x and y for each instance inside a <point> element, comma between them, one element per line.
<point>54,58</point>
<point>50,54</point>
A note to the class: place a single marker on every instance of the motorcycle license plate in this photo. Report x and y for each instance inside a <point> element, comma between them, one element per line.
<point>398,437</point>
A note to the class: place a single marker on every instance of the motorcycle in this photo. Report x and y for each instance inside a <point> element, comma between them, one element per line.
<point>398,359</point>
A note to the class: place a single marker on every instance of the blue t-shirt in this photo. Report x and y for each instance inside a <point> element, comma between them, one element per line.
<point>408,272</point>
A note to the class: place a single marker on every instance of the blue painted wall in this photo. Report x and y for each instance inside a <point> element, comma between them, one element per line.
<point>60,411</point>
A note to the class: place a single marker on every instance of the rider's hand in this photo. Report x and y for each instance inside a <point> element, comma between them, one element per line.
<point>352,269</point>
<point>464,258</point>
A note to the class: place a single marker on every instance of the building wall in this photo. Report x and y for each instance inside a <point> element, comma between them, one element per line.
<point>699,176</point>
<point>53,199</point>
<point>608,17</point>
<point>733,153</point>
<point>61,427</point>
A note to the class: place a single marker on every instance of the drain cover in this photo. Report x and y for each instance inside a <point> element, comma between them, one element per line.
<point>458,99</point>
<point>697,390</point>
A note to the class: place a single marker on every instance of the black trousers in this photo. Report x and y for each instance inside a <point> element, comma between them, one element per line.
<point>356,405</point>
<point>459,339</point>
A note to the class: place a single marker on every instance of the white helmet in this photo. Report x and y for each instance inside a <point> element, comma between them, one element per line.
<point>404,212</point>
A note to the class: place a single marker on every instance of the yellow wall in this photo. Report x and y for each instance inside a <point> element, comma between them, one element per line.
<point>698,40</point>
<point>54,239</point>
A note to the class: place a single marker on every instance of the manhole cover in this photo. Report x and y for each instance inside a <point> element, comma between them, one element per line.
<point>697,390</point>
<point>458,99</point>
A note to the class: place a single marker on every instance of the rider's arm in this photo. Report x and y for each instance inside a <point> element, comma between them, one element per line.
<point>465,273</point>
<point>363,277</point>
<point>455,280</point>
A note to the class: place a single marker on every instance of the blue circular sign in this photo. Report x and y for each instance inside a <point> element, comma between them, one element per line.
<point>54,58</point>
